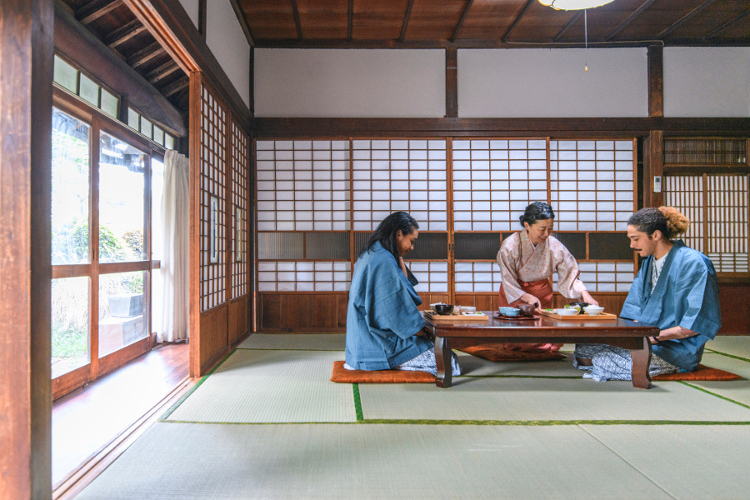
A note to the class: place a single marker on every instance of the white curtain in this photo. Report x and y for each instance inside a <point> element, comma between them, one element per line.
<point>176,237</point>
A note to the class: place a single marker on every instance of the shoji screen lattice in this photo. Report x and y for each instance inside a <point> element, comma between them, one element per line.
<point>239,213</point>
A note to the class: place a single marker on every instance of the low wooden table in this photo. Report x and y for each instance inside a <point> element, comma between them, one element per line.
<point>621,333</point>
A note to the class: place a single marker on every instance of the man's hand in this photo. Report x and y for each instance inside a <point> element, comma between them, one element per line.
<point>676,332</point>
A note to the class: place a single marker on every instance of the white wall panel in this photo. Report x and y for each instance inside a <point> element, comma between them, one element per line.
<point>191,7</point>
<point>349,83</point>
<point>227,41</point>
<point>707,82</point>
<point>537,83</point>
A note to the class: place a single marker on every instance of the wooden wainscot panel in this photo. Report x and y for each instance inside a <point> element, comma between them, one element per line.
<point>432,298</point>
<point>734,300</point>
<point>303,312</point>
<point>237,319</point>
<point>482,301</point>
<point>213,336</point>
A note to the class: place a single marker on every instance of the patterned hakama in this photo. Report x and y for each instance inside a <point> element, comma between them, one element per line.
<point>614,363</point>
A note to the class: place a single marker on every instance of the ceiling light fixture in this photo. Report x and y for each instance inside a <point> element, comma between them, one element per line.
<point>574,4</point>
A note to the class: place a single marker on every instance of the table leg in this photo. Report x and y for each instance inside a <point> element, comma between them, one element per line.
<point>443,360</point>
<point>641,362</point>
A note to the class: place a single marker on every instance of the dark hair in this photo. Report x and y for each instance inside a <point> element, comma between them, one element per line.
<point>386,232</point>
<point>535,212</point>
<point>667,220</point>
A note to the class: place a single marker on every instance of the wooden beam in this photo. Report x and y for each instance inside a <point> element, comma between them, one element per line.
<point>162,72</point>
<point>295,11</point>
<point>727,24</point>
<point>202,17</point>
<point>26,45</point>
<point>687,17</point>
<point>655,81</point>
<point>96,9</point>
<point>570,23</point>
<point>175,87</point>
<point>125,33</point>
<point>461,20</point>
<point>653,152</point>
<point>406,20</point>
<point>243,22</point>
<point>350,16</point>
<point>451,82</point>
<point>515,21</point>
<point>645,5</point>
<point>145,55</point>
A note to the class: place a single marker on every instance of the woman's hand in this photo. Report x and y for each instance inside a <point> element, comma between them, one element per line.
<point>588,298</point>
<point>530,299</point>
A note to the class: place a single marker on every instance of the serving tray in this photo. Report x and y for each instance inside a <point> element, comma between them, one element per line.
<point>580,317</point>
<point>499,315</point>
<point>438,318</point>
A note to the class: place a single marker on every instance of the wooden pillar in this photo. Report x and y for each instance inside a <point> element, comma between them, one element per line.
<point>451,82</point>
<point>653,166</point>
<point>655,81</point>
<point>26,61</point>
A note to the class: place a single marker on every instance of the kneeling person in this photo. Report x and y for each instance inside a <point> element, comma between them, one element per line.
<point>383,324</point>
<point>675,289</point>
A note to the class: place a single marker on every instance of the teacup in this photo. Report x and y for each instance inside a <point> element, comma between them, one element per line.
<point>527,309</point>
<point>509,311</point>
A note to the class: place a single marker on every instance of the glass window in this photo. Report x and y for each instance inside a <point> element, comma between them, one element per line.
<point>89,90</point>
<point>70,324</point>
<point>133,117</point>
<point>146,127</point>
<point>109,104</point>
<point>122,178</point>
<point>122,304</point>
<point>168,141</point>
<point>158,135</point>
<point>70,189</point>
<point>66,75</point>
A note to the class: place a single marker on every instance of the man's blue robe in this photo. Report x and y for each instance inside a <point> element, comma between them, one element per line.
<point>686,295</point>
<point>382,316</point>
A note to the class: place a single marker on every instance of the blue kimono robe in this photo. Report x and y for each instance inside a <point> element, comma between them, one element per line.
<point>382,316</point>
<point>686,295</point>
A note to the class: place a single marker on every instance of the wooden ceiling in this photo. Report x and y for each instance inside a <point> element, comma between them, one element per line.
<point>493,23</point>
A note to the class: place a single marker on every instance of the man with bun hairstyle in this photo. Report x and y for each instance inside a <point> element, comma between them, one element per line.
<point>675,289</point>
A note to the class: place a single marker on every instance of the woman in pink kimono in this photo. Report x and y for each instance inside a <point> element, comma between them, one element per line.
<point>527,260</point>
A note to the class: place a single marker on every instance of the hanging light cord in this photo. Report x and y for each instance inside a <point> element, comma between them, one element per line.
<point>586,31</point>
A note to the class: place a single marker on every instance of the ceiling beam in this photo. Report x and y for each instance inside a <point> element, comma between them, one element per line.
<point>243,22</point>
<point>515,21</point>
<point>461,21</point>
<point>570,23</point>
<point>687,17</point>
<point>175,87</point>
<point>406,20</point>
<point>96,9</point>
<point>350,15</point>
<point>727,24</point>
<point>145,55</point>
<point>295,11</point>
<point>125,33</point>
<point>162,72</point>
<point>645,5</point>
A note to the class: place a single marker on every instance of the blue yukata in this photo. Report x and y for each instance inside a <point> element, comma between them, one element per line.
<point>686,294</point>
<point>382,318</point>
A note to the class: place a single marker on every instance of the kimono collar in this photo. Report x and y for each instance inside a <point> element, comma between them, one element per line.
<point>525,240</point>
<point>646,292</point>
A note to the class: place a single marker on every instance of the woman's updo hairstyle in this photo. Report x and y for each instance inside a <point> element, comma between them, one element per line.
<point>668,220</point>
<point>535,212</point>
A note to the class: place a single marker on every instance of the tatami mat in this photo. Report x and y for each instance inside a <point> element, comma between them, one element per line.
<point>311,341</point>
<point>736,346</point>
<point>688,461</point>
<point>472,366</point>
<point>189,461</point>
<point>271,386</point>
<point>737,390</point>
<point>545,399</point>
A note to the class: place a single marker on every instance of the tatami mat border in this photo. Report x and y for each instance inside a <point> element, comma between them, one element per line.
<point>714,394</point>
<point>729,355</point>
<point>192,390</point>
<point>357,403</point>
<point>529,423</point>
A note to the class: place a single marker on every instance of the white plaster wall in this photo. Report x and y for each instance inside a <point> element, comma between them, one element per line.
<point>227,41</point>
<point>191,7</point>
<point>707,82</point>
<point>349,83</point>
<point>536,83</point>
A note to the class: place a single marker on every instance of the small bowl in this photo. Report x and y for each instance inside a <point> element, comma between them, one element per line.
<point>566,312</point>
<point>593,310</point>
<point>444,309</point>
<point>510,311</point>
<point>469,309</point>
<point>527,309</point>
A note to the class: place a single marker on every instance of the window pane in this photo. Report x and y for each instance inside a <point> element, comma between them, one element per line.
<point>158,135</point>
<point>70,190</point>
<point>70,324</point>
<point>121,310</point>
<point>145,127</point>
<point>89,90</point>
<point>121,201</point>
<point>65,75</point>
<point>109,104</point>
<point>133,118</point>
<point>168,141</point>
